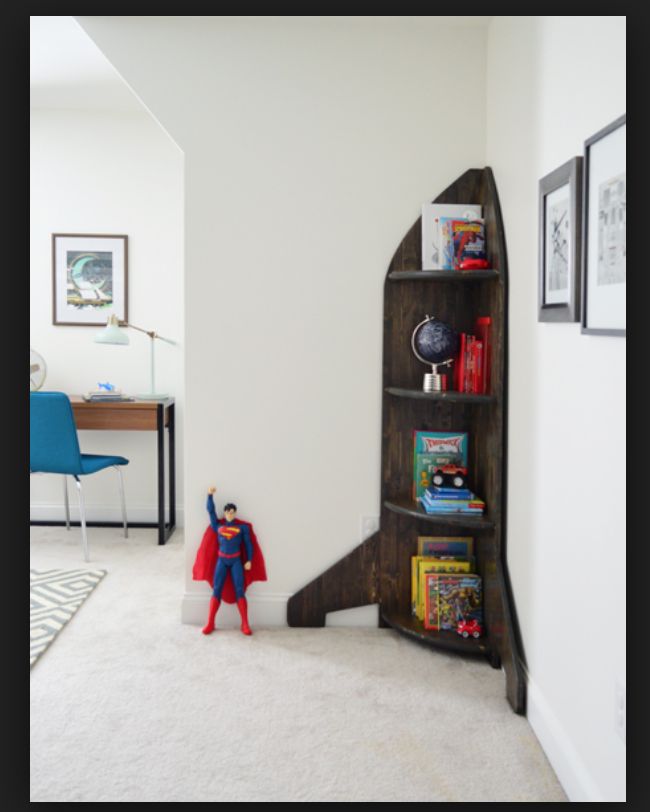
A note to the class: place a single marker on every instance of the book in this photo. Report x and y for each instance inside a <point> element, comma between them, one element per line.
<point>436,492</point>
<point>431,232</point>
<point>459,366</point>
<point>450,598</point>
<point>446,545</point>
<point>433,450</point>
<point>422,565</point>
<point>482,330</point>
<point>475,507</point>
<point>105,395</point>
<point>467,243</point>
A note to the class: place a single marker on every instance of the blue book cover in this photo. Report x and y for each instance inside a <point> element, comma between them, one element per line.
<point>434,492</point>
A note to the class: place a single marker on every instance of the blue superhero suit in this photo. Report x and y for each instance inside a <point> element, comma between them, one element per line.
<point>231,536</point>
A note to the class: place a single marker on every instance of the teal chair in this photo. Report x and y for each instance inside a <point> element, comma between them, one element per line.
<point>54,449</point>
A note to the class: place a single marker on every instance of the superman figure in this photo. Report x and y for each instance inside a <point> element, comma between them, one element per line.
<point>228,546</point>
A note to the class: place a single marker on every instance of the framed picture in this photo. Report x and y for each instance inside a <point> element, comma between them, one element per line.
<point>560,222</point>
<point>89,278</point>
<point>604,229</point>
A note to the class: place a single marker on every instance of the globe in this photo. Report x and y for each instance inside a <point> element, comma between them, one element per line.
<point>434,342</point>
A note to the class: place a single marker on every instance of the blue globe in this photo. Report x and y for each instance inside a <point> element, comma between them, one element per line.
<point>434,341</point>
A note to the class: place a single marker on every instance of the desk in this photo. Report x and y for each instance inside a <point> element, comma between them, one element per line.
<point>137,415</point>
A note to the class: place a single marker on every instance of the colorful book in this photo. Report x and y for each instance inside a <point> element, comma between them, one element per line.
<point>467,242</point>
<point>446,545</point>
<point>450,598</point>
<point>471,509</point>
<point>431,232</point>
<point>422,565</point>
<point>432,451</point>
<point>438,492</point>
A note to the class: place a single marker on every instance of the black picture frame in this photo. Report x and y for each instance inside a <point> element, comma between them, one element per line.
<point>105,289</point>
<point>560,243</point>
<point>604,232</point>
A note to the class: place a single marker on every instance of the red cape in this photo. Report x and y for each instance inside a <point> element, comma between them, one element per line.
<point>206,561</point>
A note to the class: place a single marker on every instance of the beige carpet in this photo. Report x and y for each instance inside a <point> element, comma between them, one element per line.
<point>131,705</point>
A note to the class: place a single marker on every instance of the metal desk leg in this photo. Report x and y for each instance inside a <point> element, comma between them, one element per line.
<point>160,426</point>
<point>172,467</point>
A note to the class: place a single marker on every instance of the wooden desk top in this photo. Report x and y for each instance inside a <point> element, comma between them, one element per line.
<point>125,415</point>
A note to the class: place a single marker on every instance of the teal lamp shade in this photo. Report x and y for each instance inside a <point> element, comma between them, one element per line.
<point>112,334</point>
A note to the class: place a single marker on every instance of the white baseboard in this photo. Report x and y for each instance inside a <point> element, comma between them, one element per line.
<point>263,610</point>
<point>565,760</point>
<point>270,609</point>
<point>55,512</point>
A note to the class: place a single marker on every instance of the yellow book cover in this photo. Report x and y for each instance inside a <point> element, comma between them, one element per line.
<point>426,565</point>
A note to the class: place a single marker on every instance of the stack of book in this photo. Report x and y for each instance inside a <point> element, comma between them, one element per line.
<point>437,500</point>
<point>472,371</point>
<point>106,394</point>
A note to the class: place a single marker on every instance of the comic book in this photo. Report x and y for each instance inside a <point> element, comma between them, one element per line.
<point>421,565</point>
<point>433,450</point>
<point>467,239</point>
<point>432,248</point>
<point>450,598</point>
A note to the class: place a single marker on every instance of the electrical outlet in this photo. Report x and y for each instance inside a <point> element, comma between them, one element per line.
<point>369,525</point>
<point>620,709</point>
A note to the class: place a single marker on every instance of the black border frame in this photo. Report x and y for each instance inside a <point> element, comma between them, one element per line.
<point>571,173</point>
<point>598,331</point>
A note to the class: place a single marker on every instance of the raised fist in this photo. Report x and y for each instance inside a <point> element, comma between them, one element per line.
<point>211,489</point>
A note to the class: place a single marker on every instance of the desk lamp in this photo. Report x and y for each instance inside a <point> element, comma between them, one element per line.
<point>112,334</point>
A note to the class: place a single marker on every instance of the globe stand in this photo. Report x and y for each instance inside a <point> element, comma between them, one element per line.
<point>434,381</point>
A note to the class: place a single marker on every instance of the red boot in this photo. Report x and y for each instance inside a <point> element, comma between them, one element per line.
<point>214,605</point>
<point>243,611</point>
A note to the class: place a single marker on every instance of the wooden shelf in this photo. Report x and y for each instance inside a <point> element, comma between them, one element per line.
<point>443,276</point>
<point>407,507</point>
<point>378,571</point>
<point>414,628</point>
<point>448,396</point>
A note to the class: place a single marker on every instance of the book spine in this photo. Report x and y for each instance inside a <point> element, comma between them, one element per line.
<point>483,332</point>
<point>469,364</point>
<point>460,366</point>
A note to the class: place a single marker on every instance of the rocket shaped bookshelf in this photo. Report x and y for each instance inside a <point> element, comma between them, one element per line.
<point>378,571</point>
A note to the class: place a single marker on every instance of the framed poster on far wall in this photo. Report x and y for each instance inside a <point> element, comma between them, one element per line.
<point>560,224</point>
<point>604,232</point>
<point>89,278</point>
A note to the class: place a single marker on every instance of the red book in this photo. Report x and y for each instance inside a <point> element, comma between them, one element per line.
<point>477,369</point>
<point>460,365</point>
<point>483,324</point>
<point>469,364</point>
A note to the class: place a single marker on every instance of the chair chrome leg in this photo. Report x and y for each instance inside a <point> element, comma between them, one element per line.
<point>66,502</point>
<point>126,527</point>
<point>82,516</point>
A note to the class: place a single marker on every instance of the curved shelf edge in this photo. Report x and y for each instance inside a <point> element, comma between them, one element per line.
<point>408,509</point>
<point>448,395</point>
<point>413,628</point>
<point>443,276</point>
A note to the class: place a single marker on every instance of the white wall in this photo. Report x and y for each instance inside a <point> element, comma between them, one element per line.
<point>310,145</point>
<point>552,83</point>
<point>109,173</point>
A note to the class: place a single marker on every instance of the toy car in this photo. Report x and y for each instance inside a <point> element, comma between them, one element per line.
<point>450,476</point>
<point>467,627</point>
<point>473,264</point>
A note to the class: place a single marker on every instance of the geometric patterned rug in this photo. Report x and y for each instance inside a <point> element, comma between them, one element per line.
<point>54,597</point>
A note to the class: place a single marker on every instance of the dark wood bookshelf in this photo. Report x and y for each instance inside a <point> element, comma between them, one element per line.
<point>378,571</point>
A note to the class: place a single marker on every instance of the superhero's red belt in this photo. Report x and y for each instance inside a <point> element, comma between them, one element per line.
<point>232,555</point>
